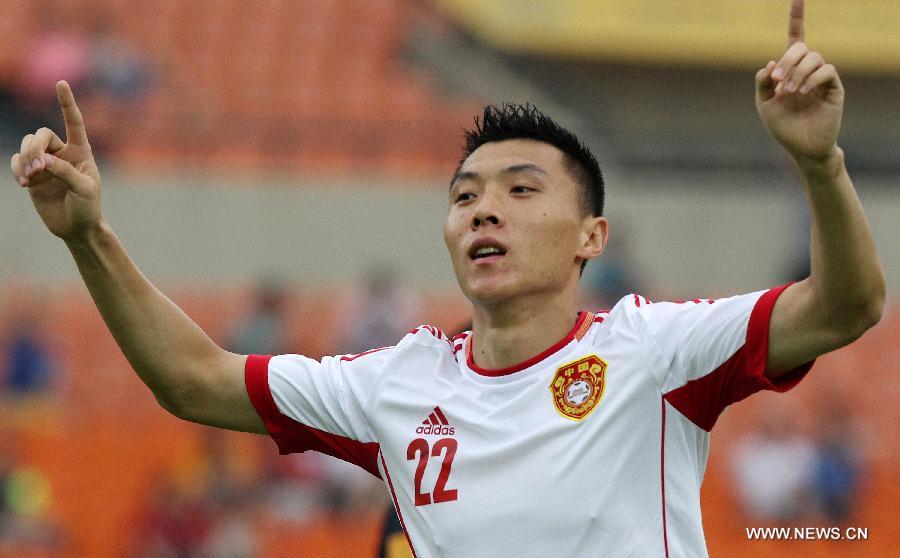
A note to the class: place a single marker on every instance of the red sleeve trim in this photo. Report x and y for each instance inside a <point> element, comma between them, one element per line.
<point>256,376</point>
<point>703,400</point>
<point>294,437</point>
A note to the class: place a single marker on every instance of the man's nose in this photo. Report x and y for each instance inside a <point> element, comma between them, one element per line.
<point>487,212</point>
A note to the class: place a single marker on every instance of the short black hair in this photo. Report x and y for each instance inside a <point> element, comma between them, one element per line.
<point>513,121</point>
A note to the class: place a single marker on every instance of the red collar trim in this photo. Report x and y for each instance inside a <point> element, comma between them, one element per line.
<point>584,321</point>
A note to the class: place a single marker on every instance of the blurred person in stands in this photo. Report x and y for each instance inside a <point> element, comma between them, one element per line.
<point>838,465</point>
<point>384,312</point>
<point>30,363</point>
<point>261,331</point>
<point>200,510</point>
<point>64,52</point>
<point>175,522</point>
<point>606,280</point>
<point>114,75</point>
<point>229,502</point>
<point>12,119</point>
<point>393,542</point>
<point>119,78</point>
<point>26,525</point>
<point>612,409</point>
<point>118,68</point>
<point>773,468</point>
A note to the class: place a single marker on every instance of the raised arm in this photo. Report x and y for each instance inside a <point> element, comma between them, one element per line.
<point>800,100</point>
<point>189,374</point>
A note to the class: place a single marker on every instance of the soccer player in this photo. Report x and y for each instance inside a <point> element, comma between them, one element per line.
<point>544,431</point>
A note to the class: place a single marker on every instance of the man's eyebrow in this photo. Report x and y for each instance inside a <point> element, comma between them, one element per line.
<point>464,175</point>
<point>524,167</point>
<point>512,169</point>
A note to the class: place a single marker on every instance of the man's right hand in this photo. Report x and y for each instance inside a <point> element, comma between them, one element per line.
<point>62,178</point>
<point>191,376</point>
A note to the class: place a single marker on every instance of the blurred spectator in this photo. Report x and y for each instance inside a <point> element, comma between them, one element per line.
<point>261,332</point>
<point>612,275</point>
<point>25,502</point>
<point>108,72</point>
<point>232,534</point>
<point>294,486</point>
<point>176,523</point>
<point>229,501</point>
<point>118,69</point>
<point>305,487</point>
<point>12,123</point>
<point>119,77</point>
<point>797,265</point>
<point>59,49</point>
<point>774,469</point>
<point>837,465</point>
<point>201,511</point>
<point>383,315</point>
<point>29,366</point>
<point>394,543</point>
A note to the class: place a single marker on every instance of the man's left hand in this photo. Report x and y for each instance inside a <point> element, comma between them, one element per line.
<point>800,98</point>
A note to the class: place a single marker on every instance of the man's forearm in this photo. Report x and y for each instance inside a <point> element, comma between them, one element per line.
<point>165,347</point>
<point>846,275</point>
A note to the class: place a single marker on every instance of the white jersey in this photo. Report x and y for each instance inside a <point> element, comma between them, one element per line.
<point>595,447</point>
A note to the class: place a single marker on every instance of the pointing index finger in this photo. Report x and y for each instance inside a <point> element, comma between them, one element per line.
<point>75,131</point>
<point>796,29</point>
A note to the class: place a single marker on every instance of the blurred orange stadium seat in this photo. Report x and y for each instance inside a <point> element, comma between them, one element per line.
<point>315,84</point>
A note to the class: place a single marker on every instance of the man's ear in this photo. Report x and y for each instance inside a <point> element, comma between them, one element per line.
<point>593,239</point>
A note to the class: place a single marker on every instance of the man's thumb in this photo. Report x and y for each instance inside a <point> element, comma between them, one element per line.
<point>77,181</point>
<point>765,85</point>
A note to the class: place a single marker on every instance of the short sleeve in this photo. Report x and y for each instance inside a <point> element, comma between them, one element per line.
<point>318,405</point>
<point>707,354</point>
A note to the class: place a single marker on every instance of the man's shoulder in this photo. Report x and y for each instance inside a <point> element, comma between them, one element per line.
<point>423,335</point>
<point>633,312</point>
<point>428,334</point>
<point>623,311</point>
<point>641,305</point>
<point>423,342</point>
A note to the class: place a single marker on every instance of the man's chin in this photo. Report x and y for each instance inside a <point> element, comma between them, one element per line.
<point>490,293</point>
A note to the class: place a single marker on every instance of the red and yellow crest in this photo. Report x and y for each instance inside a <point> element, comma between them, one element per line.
<point>577,387</point>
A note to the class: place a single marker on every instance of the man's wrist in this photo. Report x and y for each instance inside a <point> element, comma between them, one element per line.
<point>91,238</point>
<point>824,167</point>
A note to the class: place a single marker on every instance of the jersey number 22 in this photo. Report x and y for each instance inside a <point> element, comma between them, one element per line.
<point>420,449</point>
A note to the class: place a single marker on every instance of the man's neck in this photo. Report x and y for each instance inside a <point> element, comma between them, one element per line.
<point>505,336</point>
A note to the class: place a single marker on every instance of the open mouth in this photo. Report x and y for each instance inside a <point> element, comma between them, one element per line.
<point>487,252</point>
<point>486,248</point>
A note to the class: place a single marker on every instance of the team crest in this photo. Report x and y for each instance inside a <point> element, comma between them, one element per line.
<point>577,387</point>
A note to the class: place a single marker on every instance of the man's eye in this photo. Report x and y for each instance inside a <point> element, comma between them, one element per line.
<point>464,196</point>
<point>522,189</point>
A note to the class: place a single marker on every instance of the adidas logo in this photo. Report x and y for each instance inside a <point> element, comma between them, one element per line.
<point>436,423</point>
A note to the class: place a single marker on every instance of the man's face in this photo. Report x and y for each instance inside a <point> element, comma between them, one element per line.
<point>515,225</point>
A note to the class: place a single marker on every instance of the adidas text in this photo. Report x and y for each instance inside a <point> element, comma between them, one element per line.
<point>437,429</point>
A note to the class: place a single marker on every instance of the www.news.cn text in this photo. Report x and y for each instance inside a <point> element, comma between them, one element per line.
<point>807,533</point>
